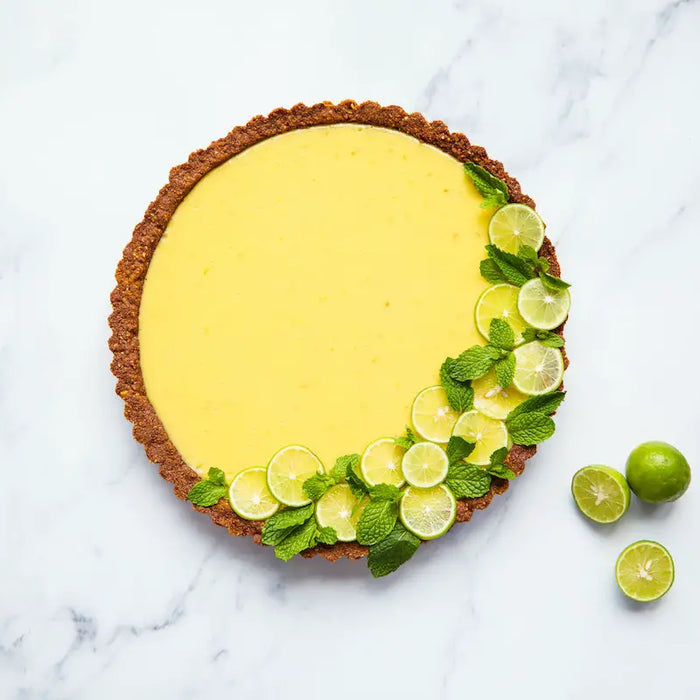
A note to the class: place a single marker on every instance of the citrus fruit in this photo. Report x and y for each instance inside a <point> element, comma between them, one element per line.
<point>432,416</point>
<point>381,463</point>
<point>644,571</point>
<point>514,225</point>
<point>287,472</point>
<point>499,301</point>
<point>487,434</point>
<point>538,369</point>
<point>657,472</point>
<point>492,400</point>
<point>338,508</point>
<point>541,307</point>
<point>425,464</point>
<point>601,493</point>
<point>250,496</point>
<point>428,513</point>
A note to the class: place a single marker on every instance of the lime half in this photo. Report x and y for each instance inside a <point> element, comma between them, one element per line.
<point>487,434</point>
<point>432,416</point>
<point>381,463</point>
<point>538,369</point>
<point>425,464</point>
<point>337,508</point>
<point>499,301</point>
<point>645,571</point>
<point>515,225</point>
<point>287,472</point>
<point>428,513</point>
<point>542,307</point>
<point>250,496</point>
<point>493,400</point>
<point>601,493</point>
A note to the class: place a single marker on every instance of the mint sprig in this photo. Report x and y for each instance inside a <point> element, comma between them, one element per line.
<point>283,522</point>
<point>551,340</point>
<point>493,190</point>
<point>505,267</point>
<point>393,551</point>
<point>293,530</point>
<point>497,466</point>
<point>379,515</point>
<point>467,480</point>
<point>210,490</point>
<point>530,422</point>
<point>460,394</point>
<point>480,359</point>
<point>408,440</point>
<point>458,449</point>
<point>316,486</point>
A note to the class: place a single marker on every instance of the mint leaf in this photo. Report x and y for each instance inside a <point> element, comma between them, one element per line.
<point>505,370</point>
<point>460,395</point>
<point>458,448</point>
<point>326,535</point>
<point>408,440</point>
<point>206,493</point>
<point>493,190</point>
<point>501,471</point>
<point>297,540</point>
<point>530,428</point>
<point>528,254</point>
<point>376,521</point>
<point>513,268</point>
<point>340,467</point>
<point>552,283</point>
<point>472,363</point>
<point>396,549</point>
<point>491,272</point>
<point>467,481</point>
<point>317,485</point>
<point>545,403</point>
<point>279,525</point>
<point>384,492</point>
<point>501,334</point>
<point>551,340</point>
<point>216,476</point>
<point>355,482</point>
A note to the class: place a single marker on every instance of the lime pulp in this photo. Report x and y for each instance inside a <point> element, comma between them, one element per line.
<point>432,416</point>
<point>601,493</point>
<point>425,465</point>
<point>645,571</point>
<point>428,513</point>
<point>543,308</point>
<point>538,369</point>
<point>337,508</point>
<point>487,434</point>
<point>499,301</point>
<point>288,470</point>
<point>381,463</point>
<point>515,225</point>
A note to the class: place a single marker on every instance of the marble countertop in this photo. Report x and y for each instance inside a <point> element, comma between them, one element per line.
<point>111,587</point>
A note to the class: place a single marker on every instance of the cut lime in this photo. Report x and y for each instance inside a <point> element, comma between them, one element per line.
<point>515,225</point>
<point>492,400</point>
<point>645,571</point>
<point>287,472</point>
<point>432,416</point>
<point>428,513</point>
<point>601,493</point>
<point>538,369</point>
<point>250,496</point>
<point>381,463</point>
<point>541,307</point>
<point>487,434</point>
<point>499,301</point>
<point>425,464</point>
<point>338,509</point>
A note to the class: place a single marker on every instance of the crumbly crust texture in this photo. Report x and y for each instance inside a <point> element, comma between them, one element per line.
<point>132,268</point>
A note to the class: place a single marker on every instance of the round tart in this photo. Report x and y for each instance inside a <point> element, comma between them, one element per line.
<point>291,291</point>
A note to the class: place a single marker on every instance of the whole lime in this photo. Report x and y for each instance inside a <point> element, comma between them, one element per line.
<point>657,472</point>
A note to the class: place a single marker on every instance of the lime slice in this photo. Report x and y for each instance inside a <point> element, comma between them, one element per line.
<point>601,493</point>
<point>541,307</point>
<point>287,472</point>
<point>250,496</point>
<point>515,225</point>
<point>499,301</point>
<point>428,513</point>
<point>492,400</point>
<point>337,508</point>
<point>538,369</point>
<point>645,571</point>
<point>381,463</point>
<point>432,416</point>
<point>425,464</point>
<point>487,434</point>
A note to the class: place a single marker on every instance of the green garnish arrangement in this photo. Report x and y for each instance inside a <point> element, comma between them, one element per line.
<point>405,490</point>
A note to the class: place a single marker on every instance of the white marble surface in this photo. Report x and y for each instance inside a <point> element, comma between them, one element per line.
<point>110,587</point>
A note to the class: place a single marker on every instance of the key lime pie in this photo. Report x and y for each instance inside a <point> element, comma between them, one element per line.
<point>338,330</point>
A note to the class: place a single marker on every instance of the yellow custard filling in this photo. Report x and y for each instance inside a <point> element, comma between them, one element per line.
<point>305,291</point>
